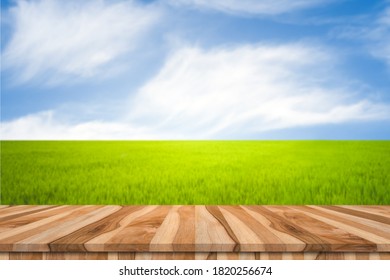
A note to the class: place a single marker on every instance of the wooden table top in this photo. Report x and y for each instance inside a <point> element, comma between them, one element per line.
<point>94,228</point>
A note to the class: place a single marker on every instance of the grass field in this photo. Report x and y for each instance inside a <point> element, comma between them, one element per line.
<point>195,172</point>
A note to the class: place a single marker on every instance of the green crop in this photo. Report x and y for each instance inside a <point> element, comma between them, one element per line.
<point>195,172</point>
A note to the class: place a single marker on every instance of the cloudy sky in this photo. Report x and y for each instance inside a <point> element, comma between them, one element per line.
<point>195,69</point>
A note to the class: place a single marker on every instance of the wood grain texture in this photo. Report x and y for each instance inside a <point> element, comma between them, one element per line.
<point>378,210</point>
<point>211,231</point>
<point>75,240</point>
<point>4,256</point>
<point>331,237</point>
<point>210,234</point>
<point>194,256</point>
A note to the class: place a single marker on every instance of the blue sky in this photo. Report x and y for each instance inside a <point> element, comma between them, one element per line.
<point>195,69</point>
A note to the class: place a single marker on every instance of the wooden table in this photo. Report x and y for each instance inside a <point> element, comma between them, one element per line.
<point>194,232</point>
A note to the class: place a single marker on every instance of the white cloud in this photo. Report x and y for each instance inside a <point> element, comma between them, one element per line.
<point>57,41</point>
<point>260,7</point>
<point>223,93</point>
<point>249,89</point>
<point>48,126</point>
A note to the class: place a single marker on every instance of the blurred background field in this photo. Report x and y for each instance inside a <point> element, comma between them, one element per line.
<point>195,172</point>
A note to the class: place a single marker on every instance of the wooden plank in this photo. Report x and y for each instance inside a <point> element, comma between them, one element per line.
<point>382,243</point>
<point>12,209</point>
<point>210,234</point>
<point>247,256</point>
<point>76,256</point>
<point>169,256</point>
<point>126,256</point>
<point>26,256</point>
<point>218,215</point>
<point>355,256</point>
<point>195,256</point>
<point>112,256</point>
<point>377,210</point>
<point>166,233</point>
<point>185,236</point>
<point>331,237</point>
<point>98,243</point>
<point>357,222</point>
<point>379,256</point>
<point>18,211</point>
<point>136,235</point>
<point>205,256</point>
<point>9,237</point>
<point>21,219</point>
<point>177,232</point>
<point>288,241</point>
<point>203,229</point>
<point>41,241</point>
<point>358,213</point>
<point>75,241</point>
<point>4,256</point>
<point>252,235</point>
<point>284,225</point>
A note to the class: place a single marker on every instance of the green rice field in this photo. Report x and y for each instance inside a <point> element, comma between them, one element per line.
<point>195,172</point>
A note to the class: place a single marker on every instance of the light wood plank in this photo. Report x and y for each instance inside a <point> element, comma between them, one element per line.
<point>4,256</point>
<point>289,242</point>
<point>75,241</point>
<point>9,237</point>
<point>377,210</point>
<point>380,243</point>
<point>276,231</point>
<point>14,212</point>
<point>137,234</point>
<point>41,241</point>
<point>196,256</point>
<point>25,218</point>
<point>268,239</point>
<point>247,236</point>
<point>333,238</point>
<point>373,227</point>
<point>98,243</point>
<point>282,224</point>
<point>210,234</point>
<point>359,213</point>
<point>177,232</point>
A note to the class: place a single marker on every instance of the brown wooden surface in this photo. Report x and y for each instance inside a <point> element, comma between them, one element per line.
<point>194,256</point>
<point>207,229</point>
